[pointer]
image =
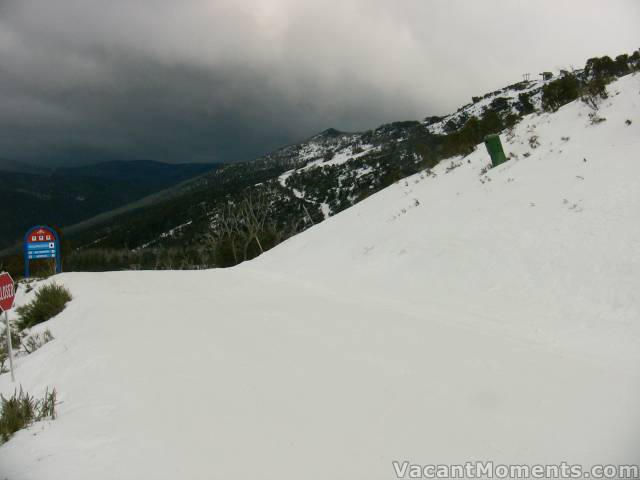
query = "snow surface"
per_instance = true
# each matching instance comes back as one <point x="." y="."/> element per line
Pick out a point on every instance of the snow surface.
<point x="454" y="316"/>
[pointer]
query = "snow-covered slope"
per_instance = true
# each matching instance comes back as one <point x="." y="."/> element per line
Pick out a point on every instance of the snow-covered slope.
<point x="459" y="315"/>
<point x="556" y="223"/>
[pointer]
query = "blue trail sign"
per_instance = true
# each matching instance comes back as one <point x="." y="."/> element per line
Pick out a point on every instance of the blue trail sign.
<point x="41" y="243"/>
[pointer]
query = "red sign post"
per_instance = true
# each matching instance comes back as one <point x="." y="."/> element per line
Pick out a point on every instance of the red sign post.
<point x="7" y="297"/>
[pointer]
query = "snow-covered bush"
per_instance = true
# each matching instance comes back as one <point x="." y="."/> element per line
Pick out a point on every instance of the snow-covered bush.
<point x="595" y="119"/>
<point x="34" y="341"/>
<point x="524" y="104"/>
<point x="534" y="141"/>
<point x="560" y="92"/>
<point x="21" y="410"/>
<point x="50" y="300"/>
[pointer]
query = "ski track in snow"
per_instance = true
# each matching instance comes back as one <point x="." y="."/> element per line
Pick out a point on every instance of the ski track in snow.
<point x="455" y="316"/>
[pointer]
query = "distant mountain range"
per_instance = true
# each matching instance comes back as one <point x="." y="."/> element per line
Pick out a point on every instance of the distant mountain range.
<point x="63" y="196"/>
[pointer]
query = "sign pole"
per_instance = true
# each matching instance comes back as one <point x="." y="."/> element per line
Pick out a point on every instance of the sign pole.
<point x="9" y="346"/>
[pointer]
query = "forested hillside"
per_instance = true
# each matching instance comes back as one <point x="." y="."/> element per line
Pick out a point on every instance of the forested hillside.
<point x="65" y="196"/>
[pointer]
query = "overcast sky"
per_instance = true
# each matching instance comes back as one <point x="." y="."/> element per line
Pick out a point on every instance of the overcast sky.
<point x="226" y="80"/>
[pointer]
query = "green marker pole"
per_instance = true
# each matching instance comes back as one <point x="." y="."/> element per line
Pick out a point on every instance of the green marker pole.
<point x="494" y="147"/>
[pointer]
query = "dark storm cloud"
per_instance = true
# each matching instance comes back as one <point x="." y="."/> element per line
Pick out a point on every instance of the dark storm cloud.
<point x="219" y="80"/>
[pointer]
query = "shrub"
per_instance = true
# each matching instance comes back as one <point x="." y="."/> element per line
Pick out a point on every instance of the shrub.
<point x="560" y="92"/>
<point x="21" y="410"/>
<point x="491" y="123"/>
<point x="595" y="119"/>
<point x="524" y="104"/>
<point x="594" y="91"/>
<point x="622" y="64"/>
<point x="601" y="67"/>
<point x="534" y="141"/>
<point x="50" y="301"/>
<point x="634" y="60"/>
<point x="450" y="126"/>
<point x="498" y="104"/>
<point x="456" y="123"/>
<point x="37" y="340"/>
